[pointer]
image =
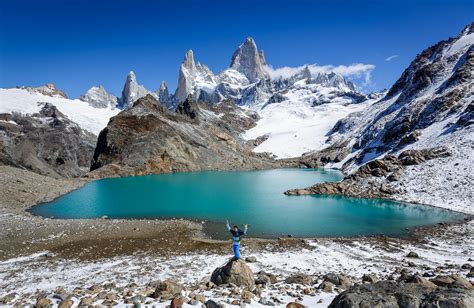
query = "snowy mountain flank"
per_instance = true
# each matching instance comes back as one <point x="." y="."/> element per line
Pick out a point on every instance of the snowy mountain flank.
<point x="416" y="143"/>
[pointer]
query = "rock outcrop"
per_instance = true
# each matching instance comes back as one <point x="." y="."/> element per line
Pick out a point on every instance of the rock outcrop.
<point x="148" y="138"/>
<point x="373" y="179"/>
<point x="411" y="292"/>
<point x="248" y="61"/>
<point x="187" y="70"/>
<point x="163" y="94"/>
<point x="47" y="143"/>
<point x="194" y="80"/>
<point x="236" y="272"/>
<point x="168" y="289"/>
<point x="48" y="89"/>
<point x="98" y="97"/>
<point x="131" y="91"/>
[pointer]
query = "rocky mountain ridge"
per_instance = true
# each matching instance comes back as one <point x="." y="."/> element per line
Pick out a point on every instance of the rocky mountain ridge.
<point x="246" y="82"/>
<point x="148" y="138"/>
<point x="98" y="97"/>
<point x="430" y="107"/>
<point x="46" y="142"/>
<point x="48" y="89"/>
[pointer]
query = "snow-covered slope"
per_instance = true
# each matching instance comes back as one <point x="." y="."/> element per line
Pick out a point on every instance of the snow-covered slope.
<point x="437" y="86"/>
<point x="431" y="106"/>
<point x="294" y="126"/>
<point x="27" y="102"/>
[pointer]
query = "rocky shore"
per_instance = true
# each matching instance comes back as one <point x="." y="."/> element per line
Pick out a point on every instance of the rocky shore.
<point x="110" y="262"/>
<point x="433" y="269"/>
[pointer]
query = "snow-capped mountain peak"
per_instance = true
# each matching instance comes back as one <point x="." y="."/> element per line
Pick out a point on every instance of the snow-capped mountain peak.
<point x="163" y="94"/>
<point x="193" y="79"/>
<point x="98" y="97"/>
<point x="249" y="61"/>
<point x="48" y="89"/>
<point x="131" y="91"/>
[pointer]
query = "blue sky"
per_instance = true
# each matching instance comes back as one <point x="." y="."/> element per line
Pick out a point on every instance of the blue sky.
<point x="78" y="44"/>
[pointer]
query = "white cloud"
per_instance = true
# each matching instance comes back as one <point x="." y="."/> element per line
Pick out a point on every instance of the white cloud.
<point x="356" y="70"/>
<point x="391" y="58"/>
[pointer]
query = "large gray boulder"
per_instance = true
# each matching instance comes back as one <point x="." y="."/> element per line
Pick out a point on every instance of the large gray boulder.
<point x="236" y="272"/>
<point x="403" y="294"/>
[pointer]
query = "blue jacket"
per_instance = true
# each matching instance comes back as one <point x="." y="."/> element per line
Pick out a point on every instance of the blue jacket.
<point x="236" y="234"/>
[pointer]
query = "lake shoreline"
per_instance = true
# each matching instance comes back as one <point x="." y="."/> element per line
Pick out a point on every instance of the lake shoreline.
<point x="85" y="229"/>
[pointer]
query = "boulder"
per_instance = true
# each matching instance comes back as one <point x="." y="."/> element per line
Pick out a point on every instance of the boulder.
<point x="247" y="295"/>
<point x="168" y="289"/>
<point x="43" y="302"/>
<point x="295" y="305"/>
<point x="412" y="254"/>
<point x="451" y="280"/>
<point x="66" y="303"/>
<point x="201" y="298"/>
<point x="264" y="278"/>
<point x="401" y="294"/>
<point x="251" y="259"/>
<point x="450" y="297"/>
<point x="369" y="278"/>
<point x="86" y="301"/>
<point x="176" y="303"/>
<point x="326" y="286"/>
<point x="471" y="272"/>
<point x="338" y="280"/>
<point x="299" y="279"/>
<point x="212" y="304"/>
<point x="421" y="281"/>
<point x="236" y="272"/>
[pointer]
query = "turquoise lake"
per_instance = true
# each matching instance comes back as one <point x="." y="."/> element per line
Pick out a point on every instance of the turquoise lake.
<point x="252" y="197"/>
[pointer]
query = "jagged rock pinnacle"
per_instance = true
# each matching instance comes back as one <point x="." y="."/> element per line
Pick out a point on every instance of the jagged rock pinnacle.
<point x="248" y="61"/>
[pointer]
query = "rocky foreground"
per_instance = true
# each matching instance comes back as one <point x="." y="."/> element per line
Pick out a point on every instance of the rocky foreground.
<point x="435" y="266"/>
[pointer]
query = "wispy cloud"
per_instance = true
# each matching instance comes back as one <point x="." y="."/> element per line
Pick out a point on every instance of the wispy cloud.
<point x="391" y="58"/>
<point x="356" y="70"/>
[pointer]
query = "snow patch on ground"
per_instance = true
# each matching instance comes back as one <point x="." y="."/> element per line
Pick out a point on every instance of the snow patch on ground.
<point x="449" y="186"/>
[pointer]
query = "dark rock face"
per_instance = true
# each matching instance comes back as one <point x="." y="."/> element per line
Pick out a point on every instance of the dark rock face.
<point x="47" y="143"/>
<point x="148" y="138"/>
<point x="362" y="183"/>
<point x="188" y="108"/>
<point x="236" y="272"/>
<point x="403" y="294"/>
